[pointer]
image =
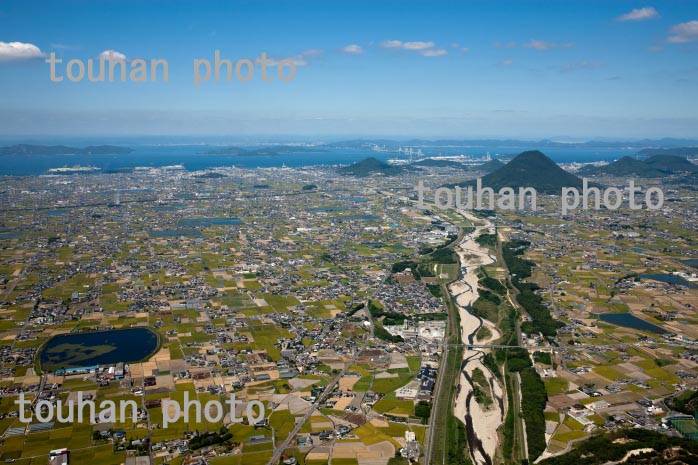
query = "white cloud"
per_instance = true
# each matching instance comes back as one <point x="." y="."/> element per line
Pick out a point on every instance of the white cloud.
<point x="462" y="49"/>
<point x="684" y="32"/>
<point x="543" y="45"/>
<point x="434" y="52"/>
<point x="392" y="44"/>
<point x="353" y="49"/>
<point x="301" y="59"/>
<point x="10" y="51"/>
<point x="582" y="65"/>
<point x="422" y="47"/>
<point x="506" y="63"/>
<point x="417" y="45"/>
<point x="639" y="14"/>
<point x="111" y="54"/>
<point x="539" y="44"/>
<point x="297" y="60"/>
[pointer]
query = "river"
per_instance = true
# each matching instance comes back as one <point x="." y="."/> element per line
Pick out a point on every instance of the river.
<point x="481" y="423"/>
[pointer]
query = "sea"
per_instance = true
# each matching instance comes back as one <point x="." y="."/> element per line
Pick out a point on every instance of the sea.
<point x="194" y="157"/>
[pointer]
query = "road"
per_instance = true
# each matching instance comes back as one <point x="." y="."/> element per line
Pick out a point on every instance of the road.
<point x="451" y="331"/>
<point x="22" y="274"/>
<point x="278" y="450"/>
<point x="321" y="398"/>
<point x="521" y="429"/>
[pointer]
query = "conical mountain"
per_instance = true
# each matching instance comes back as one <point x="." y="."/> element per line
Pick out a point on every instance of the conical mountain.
<point x="531" y="169"/>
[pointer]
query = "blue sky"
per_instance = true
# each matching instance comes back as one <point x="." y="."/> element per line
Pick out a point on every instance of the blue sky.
<point x="578" y="69"/>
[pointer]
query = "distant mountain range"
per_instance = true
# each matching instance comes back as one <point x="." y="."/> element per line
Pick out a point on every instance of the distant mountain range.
<point x="371" y="166"/>
<point x="26" y="149"/>
<point x="503" y="143"/>
<point x="678" y="151"/>
<point x="530" y="169"/>
<point x="654" y="167"/>
<point x="270" y="151"/>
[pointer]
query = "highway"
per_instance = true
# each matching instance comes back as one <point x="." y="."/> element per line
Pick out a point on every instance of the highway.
<point x="451" y="332"/>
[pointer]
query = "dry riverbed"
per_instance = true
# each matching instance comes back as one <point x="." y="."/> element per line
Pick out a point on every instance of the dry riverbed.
<point x="481" y="422"/>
